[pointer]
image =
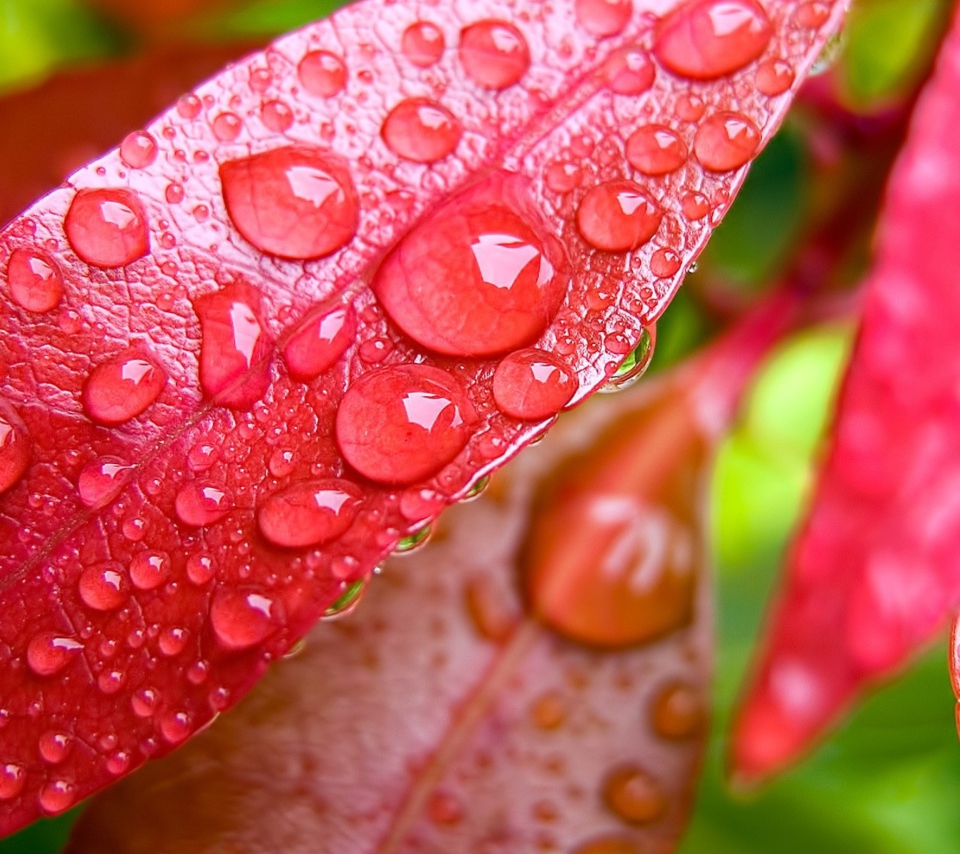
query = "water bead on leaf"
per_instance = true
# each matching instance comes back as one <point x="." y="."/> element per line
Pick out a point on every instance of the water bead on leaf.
<point x="103" y="587"/>
<point x="320" y="341"/>
<point x="309" y="513"/>
<point x="726" y="141"/>
<point x="322" y="73"/>
<point x="634" y="796"/>
<point x="123" y="387"/>
<point x="421" y="130"/>
<point x="102" y="480"/>
<point x="494" y="54"/>
<point x="199" y="504"/>
<point x="618" y="216"/>
<point x="603" y="17"/>
<point x="655" y="150"/>
<point x="241" y="618"/>
<point x="532" y="385"/>
<point x="35" y="280"/>
<point x="138" y="150"/>
<point x="630" y="71"/>
<point x="107" y="228"/>
<point x="423" y="44"/>
<point x="49" y="653"/>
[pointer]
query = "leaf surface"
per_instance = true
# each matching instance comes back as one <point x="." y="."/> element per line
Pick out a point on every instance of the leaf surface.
<point x="312" y="304"/>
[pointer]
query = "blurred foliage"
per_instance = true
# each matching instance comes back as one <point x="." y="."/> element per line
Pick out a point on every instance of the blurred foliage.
<point x="888" y="781"/>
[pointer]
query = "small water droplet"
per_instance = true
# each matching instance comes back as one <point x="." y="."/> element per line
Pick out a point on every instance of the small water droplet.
<point x="107" y="228"/>
<point x="695" y="206"/>
<point x="110" y="681"/>
<point x="774" y="76"/>
<point x="103" y="586"/>
<point x="402" y="424"/>
<point x="665" y="263"/>
<point x="655" y="150"/>
<point x="260" y="80"/>
<point x="548" y="711"/>
<point x="49" y="654"/>
<point x="618" y="217"/>
<point x="812" y="15"/>
<point x="175" y="727"/>
<point x="174" y="194"/>
<point x="678" y="712"/>
<point x="348" y="600"/>
<point x="604" y="18"/>
<point x="636" y="364"/>
<point x="295" y="202"/>
<point x="123" y="387"/>
<point x="494" y="54"/>
<point x="200" y="569"/>
<point x="56" y="797"/>
<point x="198" y="672"/>
<point x="35" y="279"/>
<point x="309" y="513"/>
<point x="138" y="149"/>
<point x="319" y="342"/>
<point x="444" y="808"/>
<point x="15" y="449"/>
<point x="148" y="570"/>
<point x="242" y="619"/>
<point x="563" y="176"/>
<point x="634" y="796"/>
<point x="200" y="504"/>
<point x="189" y="106"/>
<point x="276" y="116"/>
<point x="413" y="542"/>
<point x="532" y="385"/>
<point x="708" y="39"/>
<point x="102" y="480"/>
<point x="227" y="127"/>
<point x="726" y="141"/>
<point x="629" y="71"/>
<point x="145" y="702"/>
<point x="421" y="130"/>
<point x="829" y="55"/>
<point x="322" y="73"/>
<point x="55" y="747"/>
<point x="423" y="44"/>
<point x="12" y="780"/>
<point x="118" y="763"/>
<point x="282" y="463"/>
<point x="202" y="457"/>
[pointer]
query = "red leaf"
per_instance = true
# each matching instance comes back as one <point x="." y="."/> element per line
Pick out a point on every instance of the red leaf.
<point x="873" y="575"/>
<point x="544" y="104"/>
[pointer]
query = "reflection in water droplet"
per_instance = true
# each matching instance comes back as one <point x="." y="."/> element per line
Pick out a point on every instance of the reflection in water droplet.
<point x="242" y="619"/>
<point x="102" y="480"/>
<point x="635" y="365"/>
<point x="12" y="780"/>
<point x="421" y="130"/>
<point x="49" y="653"/>
<point x="494" y="54"/>
<point x="138" y="150"/>
<point x="629" y="71"/>
<point x="655" y="150"/>
<point x="276" y="116"/>
<point x="618" y="217"/>
<point x="103" y="586"/>
<point x="15" y="448"/>
<point x="107" y="228"/>
<point x="423" y="44"/>
<point x="200" y="504"/>
<point x="309" y="513"/>
<point x="414" y="542"/>
<point x="634" y="796"/>
<point x="603" y="18"/>
<point x="319" y="342"/>
<point x="348" y="600"/>
<point x="148" y="570"/>
<point x="123" y="387"/>
<point x="726" y="141"/>
<point x="55" y="747"/>
<point x="56" y="797"/>
<point x="774" y="76"/>
<point x="35" y="280"/>
<point x="532" y="385"/>
<point x="227" y="127"/>
<point x="322" y="73"/>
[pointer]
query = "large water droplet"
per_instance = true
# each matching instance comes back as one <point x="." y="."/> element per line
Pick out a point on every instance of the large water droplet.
<point x="107" y="228"/>
<point x="101" y="481"/>
<point x="242" y="619"/>
<point x="235" y="346"/>
<point x="35" y="279"/>
<point x="423" y="44"/>
<point x="123" y="387"/>
<point x="711" y="38"/>
<point x="634" y="796"/>
<point x="421" y="130"/>
<point x="774" y="76"/>
<point x="655" y="150"/>
<point x="103" y="586"/>
<point x="402" y="424"/>
<point x="320" y="341"/>
<point x="604" y="17"/>
<point x="494" y="53"/>
<point x="12" y="780"/>
<point x="175" y="727"/>
<point x="322" y="73"/>
<point x="49" y="653"/>
<point x="726" y="141"/>
<point x="309" y="513"/>
<point x="532" y="385"/>
<point x="296" y="202"/>
<point x="14" y="447"/>
<point x="618" y="217"/>
<point x="138" y="149"/>
<point x="629" y="71"/>
<point x="148" y="570"/>
<point x="479" y="276"/>
<point x="199" y="505"/>
<point x="56" y="797"/>
<point x="678" y="712"/>
<point x="55" y="746"/>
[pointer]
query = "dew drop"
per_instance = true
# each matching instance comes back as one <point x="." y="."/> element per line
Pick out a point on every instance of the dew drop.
<point x="277" y="116"/>
<point x="629" y="71"/>
<point x="708" y="39"/>
<point x="242" y="619"/>
<point x="110" y="681"/>
<point x="421" y="130"/>
<point x="148" y="570"/>
<point x="774" y="76"/>
<point x="144" y="703"/>
<point x="55" y="747"/>
<point x="494" y="54"/>
<point x="118" y="763"/>
<point x="123" y="387"/>
<point x="402" y="424"/>
<point x="227" y="127"/>
<point x="56" y="797"/>
<point x="413" y="542"/>
<point x="319" y="342"/>
<point x="174" y="194"/>
<point x="35" y="279"/>
<point x="200" y="569"/>
<point x="655" y="150"/>
<point x="189" y="106"/>
<point x="12" y="780"/>
<point x="138" y="150"/>
<point x="813" y="15"/>
<point x="604" y="18"/>
<point x="695" y="206"/>
<point x="636" y="363"/>
<point x="347" y="601"/>
<point x="296" y="202"/>
<point x="423" y="44"/>
<point x="175" y="727"/>
<point x="309" y="513"/>
<point x="726" y="141"/>
<point x="634" y="796"/>
<point x="103" y="587"/>
<point x="282" y="463"/>
<point x="322" y="73"/>
<point x="665" y="263"/>
<point x="102" y="481"/>
<point x="199" y="505"/>
<point x="532" y="385"/>
<point x="562" y="177"/>
<point x="49" y="654"/>
<point x="235" y="346"/>
<point x="478" y="277"/>
<point x="15" y="447"/>
<point x="618" y="217"/>
<point x="107" y="228"/>
<point x="678" y="712"/>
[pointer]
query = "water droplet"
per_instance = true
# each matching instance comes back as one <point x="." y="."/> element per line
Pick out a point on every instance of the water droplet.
<point x="695" y="206"/>
<point x="103" y="586"/>
<point x="478" y="489"/>
<point x="678" y="712"/>
<point x="123" y="387"/>
<point x="56" y="797"/>
<point x="110" y="681"/>
<point x="242" y="619"/>
<point x="199" y="505"/>
<point x="629" y="71"/>
<point x="532" y="385"/>
<point x="423" y="44"/>
<point x="444" y="808"/>
<point x="48" y="654"/>
<point x="174" y="194"/>
<point x="618" y="217"/>
<point x="102" y="481"/>
<point x="548" y="711"/>
<point x="665" y="263"/>
<point x="12" y="780"/>
<point x="421" y="130"/>
<point x="348" y="600"/>
<point x="200" y="569"/>
<point x="55" y="747"/>
<point x="655" y="150"/>
<point x="235" y="346"/>
<point x="479" y="276"/>
<point x="322" y="73"/>
<point x="320" y="341"/>
<point x="14" y="447"/>
<point x="603" y="18"/>
<point x="562" y="176"/>
<point x="277" y="116"/>
<point x="227" y="127"/>
<point x="636" y="364"/>
<point x="813" y="15"/>
<point x="413" y="542"/>
<point x="118" y="763"/>
<point x="35" y="279"/>
<point x="138" y="149"/>
<point x="175" y="727"/>
<point x="295" y="202"/>
<point x="148" y="570"/>
<point x="189" y="106"/>
<point x="494" y="54"/>
<point x="726" y="141"/>
<point x="309" y="513"/>
<point x="144" y="703"/>
<point x="712" y="38"/>
<point x="107" y="228"/>
<point x="402" y="424"/>
<point x="260" y="80"/>
<point x="774" y="76"/>
<point x="198" y="672"/>
<point x="634" y="796"/>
